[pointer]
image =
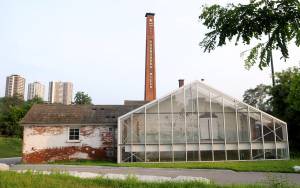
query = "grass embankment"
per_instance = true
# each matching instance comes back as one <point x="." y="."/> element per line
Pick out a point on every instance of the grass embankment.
<point x="246" y="166"/>
<point x="29" y="180"/>
<point x="10" y="147"/>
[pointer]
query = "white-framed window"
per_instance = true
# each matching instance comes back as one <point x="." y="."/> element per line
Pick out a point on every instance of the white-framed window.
<point x="74" y="134"/>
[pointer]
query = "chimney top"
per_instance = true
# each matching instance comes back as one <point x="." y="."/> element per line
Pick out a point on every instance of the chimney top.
<point x="149" y="14"/>
<point x="181" y="82"/>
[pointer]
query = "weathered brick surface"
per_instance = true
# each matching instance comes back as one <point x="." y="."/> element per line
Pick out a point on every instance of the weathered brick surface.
<point x="68" y="153"/>
<point x="50" y="143"/>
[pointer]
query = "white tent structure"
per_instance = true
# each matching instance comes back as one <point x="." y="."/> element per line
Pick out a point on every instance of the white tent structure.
<point x="199" y="123"/>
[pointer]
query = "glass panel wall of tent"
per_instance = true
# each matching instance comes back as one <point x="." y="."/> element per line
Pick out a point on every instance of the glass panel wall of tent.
<point x="198" y="123"/>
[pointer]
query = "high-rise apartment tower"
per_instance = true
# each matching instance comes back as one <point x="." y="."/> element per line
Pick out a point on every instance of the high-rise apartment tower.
<point x="35" y="89"/>
<point x="15" y="86"/>
<point x="150" y="73"/>
<point x="60" y="92"/>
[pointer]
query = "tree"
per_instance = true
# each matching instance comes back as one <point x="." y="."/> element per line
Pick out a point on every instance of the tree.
<point x="82" y="98"/>
<point x="294" y="95"/>
<point x="9" y="115"/>
<point x="12" y="110"/>
<point x="28" y="104"/>
<point x="259" y="97"/>
<point x="284" y="102"/>
<point x="7" y="102"/>
<point x="276" y="20"/>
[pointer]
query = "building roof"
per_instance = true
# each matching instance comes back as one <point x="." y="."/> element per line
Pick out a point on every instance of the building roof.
<point x="135" y="102"/>
<point x="75" y="114"/>
<point x="188" y="93"/>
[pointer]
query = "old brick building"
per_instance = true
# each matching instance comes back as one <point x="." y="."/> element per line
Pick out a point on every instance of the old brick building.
<point x="62" y="132"/>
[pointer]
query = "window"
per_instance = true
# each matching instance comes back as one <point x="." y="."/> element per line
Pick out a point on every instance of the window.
<point x="74" y="134"/>
<point x="110" y="153"/>
<point x="110" y="129"/>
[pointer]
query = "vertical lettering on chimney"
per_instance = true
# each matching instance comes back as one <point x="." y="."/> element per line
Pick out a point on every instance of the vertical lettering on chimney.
<point x="150" y="72"/>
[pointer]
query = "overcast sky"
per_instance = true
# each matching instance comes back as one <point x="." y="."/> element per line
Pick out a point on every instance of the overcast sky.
<point x="100" y="47"/>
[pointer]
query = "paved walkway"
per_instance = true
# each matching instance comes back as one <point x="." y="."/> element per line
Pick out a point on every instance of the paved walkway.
<point x="11" y="160"/>
<point x="217" y="176"/>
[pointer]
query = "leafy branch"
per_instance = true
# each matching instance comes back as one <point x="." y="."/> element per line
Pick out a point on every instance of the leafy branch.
<point x="278" y="19"/>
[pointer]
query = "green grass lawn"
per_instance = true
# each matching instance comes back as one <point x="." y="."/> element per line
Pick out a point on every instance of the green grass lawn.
<point x="256" y="166"/>
<point x="29" y="180"/>
<point x="10" y="147"/>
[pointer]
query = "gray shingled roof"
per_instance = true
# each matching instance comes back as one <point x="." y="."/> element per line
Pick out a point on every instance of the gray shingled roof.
<point x="75" y="114"/>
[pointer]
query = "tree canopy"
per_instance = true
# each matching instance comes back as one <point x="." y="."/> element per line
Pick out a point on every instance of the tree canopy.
<point x="82" y="98"/>
<point x="259" y="97"/>
<point x="283" y="101"/>
<point x="12" y="110"/>
<point x="278" y="19"/>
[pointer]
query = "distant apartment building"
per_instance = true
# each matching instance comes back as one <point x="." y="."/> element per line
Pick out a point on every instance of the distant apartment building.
<point x="60" y="92"/>
<point x="15" y="86"/>
<point x="35" y="89"/>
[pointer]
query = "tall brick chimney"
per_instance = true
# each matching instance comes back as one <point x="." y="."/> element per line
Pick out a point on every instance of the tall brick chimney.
<point x="150" y="73"/>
